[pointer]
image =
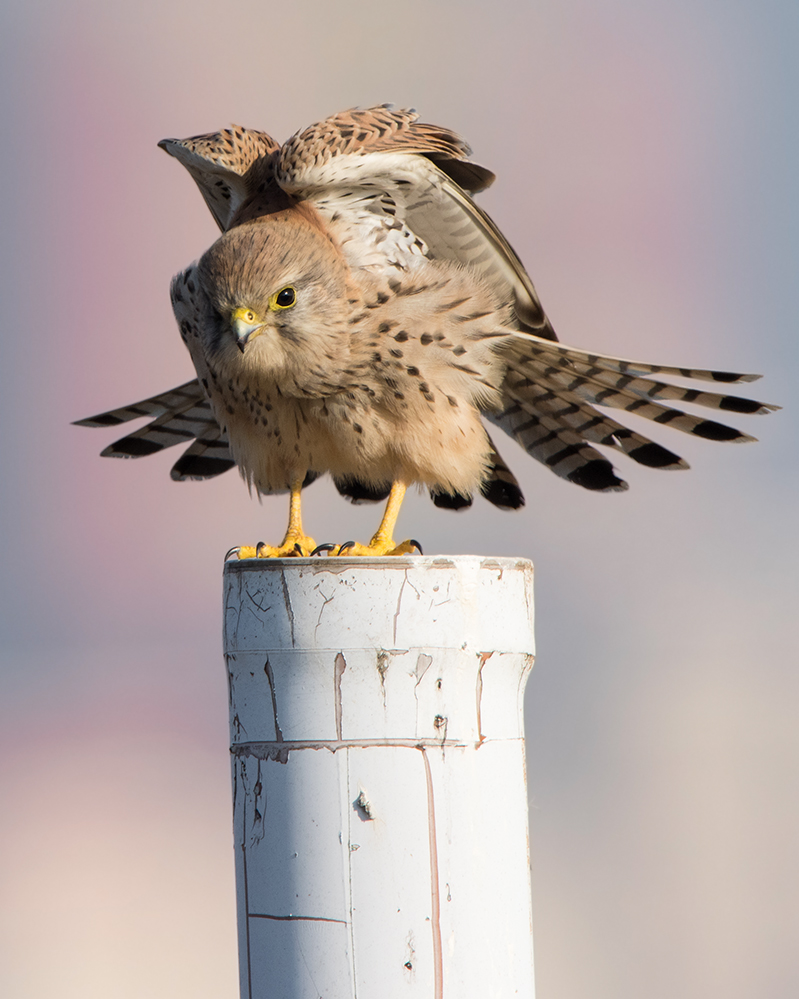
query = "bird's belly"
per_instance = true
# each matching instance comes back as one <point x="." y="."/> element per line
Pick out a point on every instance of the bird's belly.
<point x="356" y="436"/>
<point x="438" y="446"/>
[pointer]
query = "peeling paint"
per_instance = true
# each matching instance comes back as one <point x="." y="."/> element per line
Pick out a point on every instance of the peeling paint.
<point x="410" y="951"/>
<point x="492" y="564"/>
<point x="236" y="726"/>
<point x="322" y="841"/>
<point x="363" y="807"/>
<point x="281" y="757"/>
<point x="339" y="666"/>
<point x="423" y="664"/>
<point x="257" y="830"/>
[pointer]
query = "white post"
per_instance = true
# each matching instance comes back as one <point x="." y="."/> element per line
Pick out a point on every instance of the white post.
<point x="379" y="794"/>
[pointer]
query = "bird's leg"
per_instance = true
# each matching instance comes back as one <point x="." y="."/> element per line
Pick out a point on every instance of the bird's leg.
<point x="296" y="542"/>
<point x="383" y="541"/>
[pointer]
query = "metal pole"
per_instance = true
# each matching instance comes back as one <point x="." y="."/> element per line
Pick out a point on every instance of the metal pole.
<point x="380" y="806"/>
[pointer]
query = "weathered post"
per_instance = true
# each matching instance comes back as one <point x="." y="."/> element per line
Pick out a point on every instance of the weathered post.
<point x="379" y="793"/>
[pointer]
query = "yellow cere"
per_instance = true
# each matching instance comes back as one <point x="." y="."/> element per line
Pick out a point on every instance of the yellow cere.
<point x="246" y="316"/>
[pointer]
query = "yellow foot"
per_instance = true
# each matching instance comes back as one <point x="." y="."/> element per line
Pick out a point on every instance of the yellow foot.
<point x="379" y="545"/>
<point x="294" y="546"/>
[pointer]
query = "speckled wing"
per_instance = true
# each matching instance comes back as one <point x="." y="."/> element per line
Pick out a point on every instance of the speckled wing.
<point x="227" y="166"/>
<point x="391" y="187"/>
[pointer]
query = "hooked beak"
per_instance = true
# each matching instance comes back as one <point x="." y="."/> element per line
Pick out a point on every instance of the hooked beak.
<point x="244" y="330"/>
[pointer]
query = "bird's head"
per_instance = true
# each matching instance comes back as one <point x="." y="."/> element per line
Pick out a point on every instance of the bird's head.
<point x="276" y="290"/>
<point x="246" y="323"/>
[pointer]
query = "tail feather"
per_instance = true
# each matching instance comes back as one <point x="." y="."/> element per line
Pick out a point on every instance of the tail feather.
<point x="500" y="487"/>
<point x="207" y="457"/>
<point x="172" y="427"/>
<point x="182" y="414"/>
<point x="358" y="492"/>
<point x="175" y="400"/>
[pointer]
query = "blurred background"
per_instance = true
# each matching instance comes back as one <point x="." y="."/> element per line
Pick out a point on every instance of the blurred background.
<point x="647" y="155"/>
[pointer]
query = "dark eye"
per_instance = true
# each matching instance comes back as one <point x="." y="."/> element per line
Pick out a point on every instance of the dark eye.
<point x="285" y="298"/>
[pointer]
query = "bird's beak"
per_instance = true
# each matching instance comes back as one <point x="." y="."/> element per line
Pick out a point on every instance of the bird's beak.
<point x="244" y="330"/>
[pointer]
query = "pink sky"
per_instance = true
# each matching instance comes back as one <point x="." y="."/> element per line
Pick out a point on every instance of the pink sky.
<point x="643" y="156"/>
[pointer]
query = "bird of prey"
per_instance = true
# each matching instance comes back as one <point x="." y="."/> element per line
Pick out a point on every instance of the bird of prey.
<point x="360" y="316"/>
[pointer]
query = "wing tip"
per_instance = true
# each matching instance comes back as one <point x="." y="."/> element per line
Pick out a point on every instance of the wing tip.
<point x="598" y="475"/>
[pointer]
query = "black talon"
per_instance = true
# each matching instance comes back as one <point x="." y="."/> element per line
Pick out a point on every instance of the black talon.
<point x="415" y="545"/>
<point x="298" y="550"/>
<point x="328" y="547"/>
<point x="235" y="550"/>
<point x="347" y="544"/>
<point x="258" y="548"/>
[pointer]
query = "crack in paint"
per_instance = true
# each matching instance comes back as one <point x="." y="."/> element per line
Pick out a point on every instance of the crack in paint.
<point x="263" y="609"/>
<point x="405" y="582"/>
<point x="321" y="611"/>
<point x="246" y="888"/>
<point x="289" y="608"/>
<point x="484" y="656"/>
<point x="274" y="750"/>
<point x="353" y="970"/>
<point x="399" y="602"/>
<point x="292" y="918"/>
<point x="524" y="676"/>
<point x="435" y="900"/>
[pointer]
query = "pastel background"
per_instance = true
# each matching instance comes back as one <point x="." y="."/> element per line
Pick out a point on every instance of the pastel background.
<point x="647" y="155"/>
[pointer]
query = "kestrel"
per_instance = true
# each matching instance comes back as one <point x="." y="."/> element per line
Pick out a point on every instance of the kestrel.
<point x="361" y="316"/>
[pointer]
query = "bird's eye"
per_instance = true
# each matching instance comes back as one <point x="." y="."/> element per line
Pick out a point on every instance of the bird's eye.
<point x="285" y="298"/>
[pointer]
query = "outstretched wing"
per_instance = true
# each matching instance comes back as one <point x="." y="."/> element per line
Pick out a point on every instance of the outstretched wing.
<point x="390" y="187"/>
<point x="182" y="414"/>
<point x="551" y="392"/>
<point x="228" y="167"/>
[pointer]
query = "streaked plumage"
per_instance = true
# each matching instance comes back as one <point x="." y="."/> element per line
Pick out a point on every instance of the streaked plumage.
<point x="359" y="315"/>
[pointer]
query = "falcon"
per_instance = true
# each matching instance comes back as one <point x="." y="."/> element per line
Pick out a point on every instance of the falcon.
<point x="361" y="316"/>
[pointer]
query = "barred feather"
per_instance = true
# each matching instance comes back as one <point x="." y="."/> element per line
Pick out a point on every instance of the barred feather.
<point x="593" y="426"/>
<point x="562" y="353"/>
<point x="175" y="400"/>
<point x="182" y="414"/>
<point x="207" y="457"/>
<point x="382" y="199"/>
<point x="548" y="440"/>
<point x="500" y="487"/>
<point x="551" y="390"/>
